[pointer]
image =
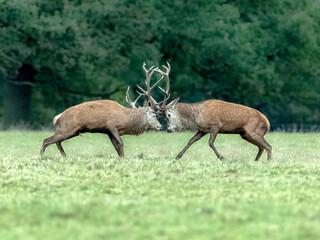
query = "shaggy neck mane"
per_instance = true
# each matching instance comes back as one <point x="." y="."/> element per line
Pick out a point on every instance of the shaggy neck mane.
<point x="136" y="121"/>
<point x="189" y="114"/>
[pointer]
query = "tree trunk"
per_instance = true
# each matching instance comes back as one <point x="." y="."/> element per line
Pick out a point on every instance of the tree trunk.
<point x="17" y="98"/>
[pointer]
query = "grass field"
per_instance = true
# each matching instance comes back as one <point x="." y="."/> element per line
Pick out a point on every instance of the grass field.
<point x="93" y="194"/>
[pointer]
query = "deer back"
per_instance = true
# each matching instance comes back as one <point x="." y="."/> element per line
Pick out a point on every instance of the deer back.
<point x="96" y="116"/>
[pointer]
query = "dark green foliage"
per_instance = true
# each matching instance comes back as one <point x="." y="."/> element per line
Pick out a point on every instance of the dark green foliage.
<point x="264" y="54"/>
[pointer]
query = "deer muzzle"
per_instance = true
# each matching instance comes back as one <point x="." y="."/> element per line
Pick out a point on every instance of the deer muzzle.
<point x="159" y="127"/>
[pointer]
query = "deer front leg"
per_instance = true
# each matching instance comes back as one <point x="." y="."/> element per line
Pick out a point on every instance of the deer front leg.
<point x="116" y="141"/>
<point x="195" y="138"/>
<point x="213" y="134"/>
<point x="115" y="144"/>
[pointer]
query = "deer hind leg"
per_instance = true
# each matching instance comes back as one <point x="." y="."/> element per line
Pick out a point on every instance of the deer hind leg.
<point x="260" y="142"/>
<point x="61" y="149"/>
<point x="213" y="134"/>
<point x="195" y="138"/>
<point x="267" y="147"/>
<point x="116" y="141"/>
<point x="56" y="138"/>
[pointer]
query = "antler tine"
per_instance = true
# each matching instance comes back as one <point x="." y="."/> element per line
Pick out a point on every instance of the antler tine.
<point x="165" y="99"/>
<point x="151" y="100"/>
<point x="168" y="68"/>
<point x="140" y="93"/>
<point x="166" y="76"/>
<point x="154" y="85"/>
<point x="132" y="104"/>
<point x="144" y="92"/>
<point x="149" y="72"/>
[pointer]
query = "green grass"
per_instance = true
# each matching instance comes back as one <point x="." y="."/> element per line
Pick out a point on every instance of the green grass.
<point x="93" y="194"/>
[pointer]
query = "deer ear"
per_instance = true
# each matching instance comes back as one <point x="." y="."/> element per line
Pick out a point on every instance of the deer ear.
<point x="172" y="104"/>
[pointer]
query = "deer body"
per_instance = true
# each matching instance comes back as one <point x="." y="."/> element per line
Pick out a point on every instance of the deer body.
<point x="215" y="116"/>
<point x="230" y="117"/>
<point x="108" y="117"/>
<point x="103" y="116"/>
<point x="100" y="116"/>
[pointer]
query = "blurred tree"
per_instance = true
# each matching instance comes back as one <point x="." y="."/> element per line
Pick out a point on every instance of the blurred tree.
<point x="16" y="20"/>
<point x="288" y="43"/>
<point x="61" y="52"/>
<point x="259" y="53"/>
<point x="78" y="50"/>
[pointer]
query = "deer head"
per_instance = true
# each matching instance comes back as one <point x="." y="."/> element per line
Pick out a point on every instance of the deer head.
<point x="172" y="116"/>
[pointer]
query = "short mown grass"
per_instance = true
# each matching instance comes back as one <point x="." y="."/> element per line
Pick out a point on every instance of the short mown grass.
<point x="93" y="194"/>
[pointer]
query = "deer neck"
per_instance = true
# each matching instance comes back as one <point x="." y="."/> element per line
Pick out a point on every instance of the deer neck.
<point x="136" y="121"/>
<point x="189" y="115"/>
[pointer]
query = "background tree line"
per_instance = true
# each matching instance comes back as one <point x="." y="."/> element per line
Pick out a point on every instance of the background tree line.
<point x="262" y="53"/>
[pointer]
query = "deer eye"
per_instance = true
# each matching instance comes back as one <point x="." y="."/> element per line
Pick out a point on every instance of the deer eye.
<point x="169" y="115"/>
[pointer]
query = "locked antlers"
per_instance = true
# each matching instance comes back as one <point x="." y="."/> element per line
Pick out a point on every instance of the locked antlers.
<point x="149" y="72"/>
<point x="142" y="92"/>
<point x="152" y="102"/>
<point x="165" y="75"/>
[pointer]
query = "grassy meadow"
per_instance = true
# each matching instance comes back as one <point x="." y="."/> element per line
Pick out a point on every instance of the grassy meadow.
<point x="93" y="194"/>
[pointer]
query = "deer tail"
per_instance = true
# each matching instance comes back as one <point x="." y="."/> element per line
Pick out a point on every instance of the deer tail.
<point x="55" y="119"/>
<point x="266" y="122"/>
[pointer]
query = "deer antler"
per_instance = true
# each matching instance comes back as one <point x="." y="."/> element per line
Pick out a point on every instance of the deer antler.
<point x="149" y="72"/>
<point x="132" y="104"/>
<point x="166" y="76"/>
<point x="142" y="92"/>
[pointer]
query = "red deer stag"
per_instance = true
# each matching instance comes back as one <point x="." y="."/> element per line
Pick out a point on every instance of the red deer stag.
<point x="215" y="116"/>
<point x="108" y="117"/>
